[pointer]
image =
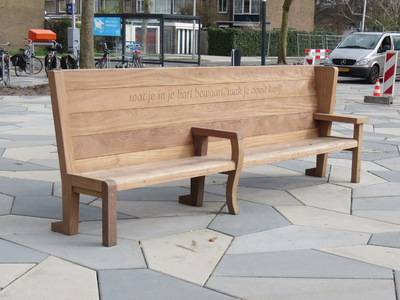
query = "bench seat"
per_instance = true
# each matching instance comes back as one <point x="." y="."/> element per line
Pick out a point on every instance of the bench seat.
<point x="136" y="176"/>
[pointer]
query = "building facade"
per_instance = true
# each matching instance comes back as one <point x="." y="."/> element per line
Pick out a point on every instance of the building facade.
<point x="15" y="22"/>
<point x="227" y="13"/>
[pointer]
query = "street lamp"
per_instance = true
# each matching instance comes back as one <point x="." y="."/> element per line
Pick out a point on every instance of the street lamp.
<point x="363" y="18"/>
<point x="263" y="32"/>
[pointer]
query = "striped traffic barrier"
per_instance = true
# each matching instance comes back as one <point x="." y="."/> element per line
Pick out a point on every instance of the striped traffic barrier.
<point x="318" y="53"/>
<point x="389" y="73"/>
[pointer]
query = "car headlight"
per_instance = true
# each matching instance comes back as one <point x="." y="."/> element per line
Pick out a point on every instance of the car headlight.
<point x="328" y="61"/>
<point x="363" y="62"/>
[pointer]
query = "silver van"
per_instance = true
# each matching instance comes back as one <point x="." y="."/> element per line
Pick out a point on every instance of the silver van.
<point x="362" y="54"/>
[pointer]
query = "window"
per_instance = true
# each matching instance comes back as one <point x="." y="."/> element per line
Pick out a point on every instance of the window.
<point x="247" y="7"/>
<point x="222" y="6"/>
<point x="96" y="6"/>
<point x="127" y="6"/>
<point x="61" y="6"/>
<point x="161" y="6"/>
<point x="140" y="6"/>
<point x="396" y="42"/>
<point x="181" y="6"/>
<point x="50" y="7"/>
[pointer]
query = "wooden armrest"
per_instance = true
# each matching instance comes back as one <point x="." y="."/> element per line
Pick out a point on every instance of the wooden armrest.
<point x="226" y="134"/>
<point x="236" y="137"/>
<point x="341" y="118"/>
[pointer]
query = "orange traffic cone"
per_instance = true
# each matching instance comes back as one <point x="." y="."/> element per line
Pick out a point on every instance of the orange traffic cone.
<point x="377" y="91"/>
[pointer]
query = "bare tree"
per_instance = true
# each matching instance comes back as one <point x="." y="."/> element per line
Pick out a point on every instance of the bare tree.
<point x="86" y="60"/>
<point x="284" y="32"/>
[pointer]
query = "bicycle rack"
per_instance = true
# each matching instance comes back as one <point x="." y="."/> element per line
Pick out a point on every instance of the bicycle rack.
<point x="32" y="51"/>
<point x="2" y="68"/>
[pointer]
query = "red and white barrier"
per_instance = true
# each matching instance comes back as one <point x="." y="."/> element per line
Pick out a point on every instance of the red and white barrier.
<point x="390" y="73"/>
<point x="318" y="53"/>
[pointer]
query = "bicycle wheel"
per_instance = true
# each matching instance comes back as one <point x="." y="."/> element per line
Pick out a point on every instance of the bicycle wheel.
<point x="70" y="63"/>
<point x="37" y="66"/>
<point x="47" y="64"/>
<point x="130" y="63"/>
<point x="18" y="71"/>
<point x="101" y="64"/>
<point x="140" y="63"/>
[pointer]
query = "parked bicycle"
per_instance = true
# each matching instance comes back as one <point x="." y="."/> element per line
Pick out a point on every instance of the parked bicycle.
<point x="136" y="60"/>
<point x="51" y="61"/>
<point x="70" y="61"/>
<point x="104" y="62"/>
<point x="21" y="61"/>
<point x="4" y="65"/>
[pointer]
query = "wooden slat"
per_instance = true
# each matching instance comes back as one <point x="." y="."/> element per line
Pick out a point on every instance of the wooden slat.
<point x="341" y="118"/>
<point x="141" y="157"/>
<point x="61" y="123"/>
<point x="105" y="99"/>
<point x="165" y="171"/>
<point x="117" y="78"/>
<point x="295" y="149"/>
<point x="151" y="139"/>
<point x="326" y="79"/>
<point x="126" y="120"/>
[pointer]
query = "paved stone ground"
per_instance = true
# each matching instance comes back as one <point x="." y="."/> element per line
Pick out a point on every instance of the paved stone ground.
<point x="296" y="237"/>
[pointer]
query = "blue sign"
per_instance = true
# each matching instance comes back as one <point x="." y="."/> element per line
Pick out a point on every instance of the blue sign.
<point x="69" y="9"/>
<point x="106" y="26"/>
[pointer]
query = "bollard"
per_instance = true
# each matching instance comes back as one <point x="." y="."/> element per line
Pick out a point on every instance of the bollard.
<point x="236" y="57"/>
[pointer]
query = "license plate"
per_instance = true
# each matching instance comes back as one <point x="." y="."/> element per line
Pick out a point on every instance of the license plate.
<point x="343" y="69"/>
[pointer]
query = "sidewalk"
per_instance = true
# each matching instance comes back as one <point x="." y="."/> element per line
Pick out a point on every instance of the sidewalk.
<point x="296" y="237"/>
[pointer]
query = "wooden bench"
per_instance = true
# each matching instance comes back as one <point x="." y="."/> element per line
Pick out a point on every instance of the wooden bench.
<point x="123" y="129"/>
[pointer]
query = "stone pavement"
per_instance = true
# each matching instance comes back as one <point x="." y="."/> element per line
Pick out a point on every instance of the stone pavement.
<point x="296" y="237"/>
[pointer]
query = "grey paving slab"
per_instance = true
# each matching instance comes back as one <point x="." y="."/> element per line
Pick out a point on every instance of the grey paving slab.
<point x="54" y="278"/>
<point x="393" y="176"/>
<point x="50" y="163"/>
<point x="397" y="283"/>
<point x="252" y="218"/>
<point x="149" y="285"/>
<point x="51" y="207"/>
<point x="303" y="289"/>
<point x="295" y="238"/>
<point x="298" y="263"/>
<point x="84" y="250"/>
<point x="391" y="164"/>
<point x="13" y="187"/>
<point x="26" y="138"/>
<point x="386" y="239"/>
<point x="282" y="183"/>
<point x="5" y="204"/>
<point x="140" y="229"/>
<point x="295" y="165"/>
<point x="377" y="203"/>
<point x="161" y="194"/>
<point x="377" y="190"/>
<point x="8" y="164"/>
<point x="13" y="253"/>
<point x="262" y="196"/>
<point x="379" y="215"/>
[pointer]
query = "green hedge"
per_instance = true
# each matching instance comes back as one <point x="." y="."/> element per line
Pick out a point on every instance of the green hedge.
<point x="222" y="41"/>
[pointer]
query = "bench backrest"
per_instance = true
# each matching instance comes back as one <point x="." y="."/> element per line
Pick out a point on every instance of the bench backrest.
<point x="112" y="118"/>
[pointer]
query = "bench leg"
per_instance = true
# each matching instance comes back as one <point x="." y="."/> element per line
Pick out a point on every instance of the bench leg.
<point x="320" y="169"/>
<point x="356" y="163"/>
<point x="195" y="198"/>
<point x="70" y="211"/>
<point x="231" y="192"/>
<point x="109" y="209"/>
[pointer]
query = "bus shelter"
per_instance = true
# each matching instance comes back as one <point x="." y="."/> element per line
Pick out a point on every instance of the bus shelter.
<point x="162" y="37"/>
